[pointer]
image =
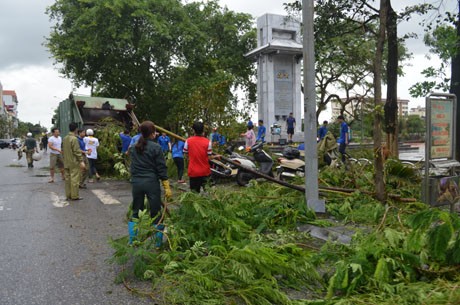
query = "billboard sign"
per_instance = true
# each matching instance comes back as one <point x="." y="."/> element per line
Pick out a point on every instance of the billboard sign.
<point x="441" y="128"/>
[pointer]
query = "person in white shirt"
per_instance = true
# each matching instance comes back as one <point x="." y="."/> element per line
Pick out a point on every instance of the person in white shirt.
<point x="55" y="146"/>
<point x="92" y="144"/>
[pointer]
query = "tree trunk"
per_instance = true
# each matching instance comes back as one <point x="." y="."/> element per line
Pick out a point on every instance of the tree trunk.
<point x="455" y="80"/>
<point x="378" y="158"/>
<point x="391" y="104"/>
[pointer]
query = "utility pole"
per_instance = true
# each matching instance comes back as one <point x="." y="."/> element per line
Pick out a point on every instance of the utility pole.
<point x="311" y="155"/>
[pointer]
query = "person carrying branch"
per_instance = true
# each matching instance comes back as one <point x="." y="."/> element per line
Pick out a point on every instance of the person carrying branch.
<point x="148" y="168"/>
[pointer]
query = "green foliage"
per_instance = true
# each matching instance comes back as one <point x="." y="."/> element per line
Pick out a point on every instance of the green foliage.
<point x="241" y="246"/>
<point x="396" y="258"/>
<point x="25" y="127"/>
<point x="4" y="127"/>
<point x="122" y="165"/>
<point x="437" y="231"/>
<point x="217" y="253"/>
<point x="177" y="61"/>
<point x="109" y="159"/>
<point x="443" y="42"/>
<point x="412" y="127"/>
<point x="357" y="208"/>
<point x="402" y="179"/>
<point x="345" y="45"/>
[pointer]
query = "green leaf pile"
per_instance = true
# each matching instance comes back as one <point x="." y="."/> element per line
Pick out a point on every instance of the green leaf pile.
<point x="244" y="246"/>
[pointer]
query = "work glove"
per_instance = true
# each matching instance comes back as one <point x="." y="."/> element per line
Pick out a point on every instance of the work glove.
<point x="167" y="188"/>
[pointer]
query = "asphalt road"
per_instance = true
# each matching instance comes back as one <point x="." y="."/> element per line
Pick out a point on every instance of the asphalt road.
<point x="53" y="252"/>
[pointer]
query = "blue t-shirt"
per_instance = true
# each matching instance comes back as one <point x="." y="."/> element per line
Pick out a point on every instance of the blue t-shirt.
<point x="125" y="141"/>
<point x="82" y="143"/>
<point x="261" y="133"/>
<point x="177" y="149"/>
<point x="343" y="133"/>
<point x="163" y="141"/>
<point x="322" y="132"/>
<point x="135" y="139"/>
<point x="215" y="137"/>
<point x="250" y="123"/>
<point x="290" y="122"/>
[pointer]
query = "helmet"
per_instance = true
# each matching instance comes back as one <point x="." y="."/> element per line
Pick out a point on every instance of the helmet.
<point x="89" y="132"/>
<point x="291" y="152"/>
<point x="36" y="156"/>
<point x="29" y="134"/>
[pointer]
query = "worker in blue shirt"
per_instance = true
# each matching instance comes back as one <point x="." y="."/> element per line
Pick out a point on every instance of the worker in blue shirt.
<point x="165" y="143"/>
<point x="343" y="139"/>
<point x="125" y="141"/>
<point x="84" y="152"/>
<point x="290" y="122"/>
<point x="261" y="132"/>
<point x="215" y="137"/>
<point x="177" y="152"/>
<point x="322" y="131"/>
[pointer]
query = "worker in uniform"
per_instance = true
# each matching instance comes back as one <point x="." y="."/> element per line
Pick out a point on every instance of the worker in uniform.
<point x="73" y="163"/>
<point x="31" y="147"/>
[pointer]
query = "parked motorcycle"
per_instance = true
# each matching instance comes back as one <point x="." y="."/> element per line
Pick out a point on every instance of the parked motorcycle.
<point x="221" y="169"/>
<point x="290" y="164"/>
<point x="261" y="162"/>
<point x="14" y="144"/>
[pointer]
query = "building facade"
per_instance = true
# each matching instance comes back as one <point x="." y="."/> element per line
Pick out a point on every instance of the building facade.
<point x="9" y="112"/>
<point x="418" y="111"/>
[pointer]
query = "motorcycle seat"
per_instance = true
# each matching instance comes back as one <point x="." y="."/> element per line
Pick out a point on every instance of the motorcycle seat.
<point x="294" y="163"/>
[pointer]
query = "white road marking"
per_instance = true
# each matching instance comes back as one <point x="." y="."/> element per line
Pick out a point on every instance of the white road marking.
<point x="57" y="202"/>
<point x="104" y="197"/>
<point x="1" y="207"/>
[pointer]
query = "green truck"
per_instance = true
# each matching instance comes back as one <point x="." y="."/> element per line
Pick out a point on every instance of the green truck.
<point x="90" y="112"/>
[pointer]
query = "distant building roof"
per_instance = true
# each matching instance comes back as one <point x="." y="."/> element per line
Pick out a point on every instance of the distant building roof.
<point x="9" y="92"/>
<point x="281" y="46"/>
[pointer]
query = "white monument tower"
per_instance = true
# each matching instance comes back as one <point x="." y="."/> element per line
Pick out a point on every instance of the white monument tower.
<point x="278" y="55"/>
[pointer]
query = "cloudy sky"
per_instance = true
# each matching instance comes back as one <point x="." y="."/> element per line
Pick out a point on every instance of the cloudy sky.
<point x="26" y="66"/>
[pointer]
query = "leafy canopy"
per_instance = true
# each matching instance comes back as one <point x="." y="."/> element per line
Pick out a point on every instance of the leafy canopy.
<point x="170" y="58"/>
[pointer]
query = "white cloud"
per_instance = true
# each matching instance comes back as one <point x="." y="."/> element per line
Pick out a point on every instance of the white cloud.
<point x="39" y="90"/>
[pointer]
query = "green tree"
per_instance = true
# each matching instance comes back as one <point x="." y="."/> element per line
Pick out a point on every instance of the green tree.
<point x="443" y="43"/>
<point x="3" y="126"/>
<point x="344" y="49"/>
<point x="164" y="55"/>
<point x="443" y="38"/>
<point x="413" y="127"/>
<point x="25" y="127"/>
<point x="374" y="59"/>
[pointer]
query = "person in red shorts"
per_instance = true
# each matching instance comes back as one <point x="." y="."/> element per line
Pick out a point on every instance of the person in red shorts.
<point x="199" y="150"/>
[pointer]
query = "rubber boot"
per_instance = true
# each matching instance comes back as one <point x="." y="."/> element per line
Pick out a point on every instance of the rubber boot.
<point x="159" y="235"/>
<point x="132" y="232"/>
